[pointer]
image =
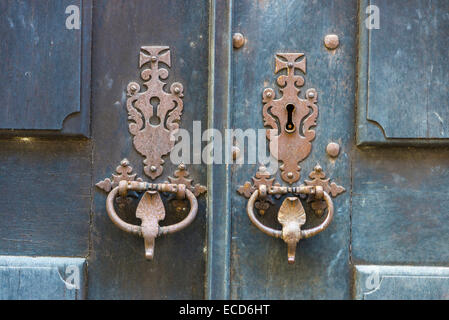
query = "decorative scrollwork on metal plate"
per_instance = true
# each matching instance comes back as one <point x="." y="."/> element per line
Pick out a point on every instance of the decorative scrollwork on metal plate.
<point x="262" y="177"/>
<point x="181" y="177"/>
<point x="319" y="179"/>
<point x="290" y="120"/>
<point x="154" y="114"/>
<point x="290" y="117"/>
<point x="124" y="172"/>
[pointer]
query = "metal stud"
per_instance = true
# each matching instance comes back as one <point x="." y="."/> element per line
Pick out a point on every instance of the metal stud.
<point x="331" y="41"/>
<point x="333" y="149"/>
<point x="238" y="40"/>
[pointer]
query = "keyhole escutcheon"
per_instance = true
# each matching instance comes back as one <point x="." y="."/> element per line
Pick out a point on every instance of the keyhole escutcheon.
<point x="290" y="126"/>
<point x="154" y="119"/>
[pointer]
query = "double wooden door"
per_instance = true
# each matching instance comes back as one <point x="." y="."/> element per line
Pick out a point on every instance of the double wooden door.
<point x="381" y="95"/>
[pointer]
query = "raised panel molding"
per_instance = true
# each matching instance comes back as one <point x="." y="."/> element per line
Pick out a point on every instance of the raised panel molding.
<point x="42" y="278"/>
<point x="402" y="83"/>
<point x="401" y="283"/>
<point x="45" y="69"/>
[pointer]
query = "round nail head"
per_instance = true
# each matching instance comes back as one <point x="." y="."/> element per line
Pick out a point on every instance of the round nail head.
<point x="235" y="152"/>
<point x="331" y="41"/>
<point x="238" y="40"/>
<point x="153" y="168"/>
<point x="333" y="149"/>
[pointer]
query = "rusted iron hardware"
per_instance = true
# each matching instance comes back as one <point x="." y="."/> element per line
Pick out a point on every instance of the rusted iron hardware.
<point x="291" y="215"/>
<point x="154" y="114"/>
<point x="331" y="41"/>
<point x="150" y="210"/>
<point x="238" y="40"/>
<point x="333" y="149"/>
<point x="290" y="120"/>
<point x="289" y="117"/>
<point x="319" y="179"/>
<point x="154" y="119"/>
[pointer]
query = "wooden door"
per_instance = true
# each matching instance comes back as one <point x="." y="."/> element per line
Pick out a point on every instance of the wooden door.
<point x="65" y="128"/>
<point x="381" y="96"/>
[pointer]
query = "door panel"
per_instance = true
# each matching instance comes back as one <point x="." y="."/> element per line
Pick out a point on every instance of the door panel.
<point x="401" y="283"/>
<point x="45" y="181"/>
<point x="259" y="268"/>
<point x="45" y="70"/>
<point x="32" y="278"/>
<point x="400" y="206"/>
<point x="45" y="201"/>
<point x="403" y="68"/>
<point x="399" y="203"/>
<point x="117" y="264"/>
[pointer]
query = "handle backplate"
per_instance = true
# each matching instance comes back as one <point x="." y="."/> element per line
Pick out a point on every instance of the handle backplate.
<point x="154" y="115"/>
<point x="290" y="122"/>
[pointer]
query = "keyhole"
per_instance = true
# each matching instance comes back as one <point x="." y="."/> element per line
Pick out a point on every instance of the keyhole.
<point x="154" y="120"/>
<point x="290" y="126"/>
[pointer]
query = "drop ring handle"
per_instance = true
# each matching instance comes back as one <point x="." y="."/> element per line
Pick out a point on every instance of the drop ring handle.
<point x="278" y="233"/>
<point x="181" y="192"/>
<point x="298" y="233"/>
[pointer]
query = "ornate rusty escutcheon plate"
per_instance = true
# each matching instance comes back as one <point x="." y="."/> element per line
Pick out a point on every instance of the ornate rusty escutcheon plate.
<point x="154" y="116"/>
<point x="291" y="135"/>
<point x="290" y="121"/>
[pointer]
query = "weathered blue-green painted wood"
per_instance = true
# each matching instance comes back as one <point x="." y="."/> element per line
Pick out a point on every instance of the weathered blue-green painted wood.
<point x="400" y="206"/>
<point x="403" y="72"/>
<point x="45" y="68"/>
<point x="219" y="187"/>
<point x="401" y="283"/>
<point x="50" y="206"/>
<point x="46" y="196"/>
<point x="399" y="203"/>
<point x="42" y="278"/>
<point x="117" y="266"/>
<point x="259" y="262"/>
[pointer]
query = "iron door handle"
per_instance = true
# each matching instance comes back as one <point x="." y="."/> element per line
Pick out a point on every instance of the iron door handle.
<point x="290" y="121"/>
<point x="153" y="128"/>
<point x="151" y="210"/>
<point x="291" y="215"/>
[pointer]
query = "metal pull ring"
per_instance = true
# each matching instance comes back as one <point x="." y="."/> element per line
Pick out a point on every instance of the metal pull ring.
<point x="292" y="216"/>
<point x="151" y="210"/>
